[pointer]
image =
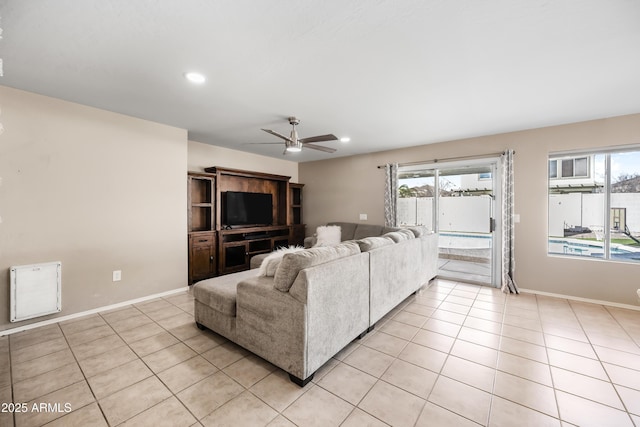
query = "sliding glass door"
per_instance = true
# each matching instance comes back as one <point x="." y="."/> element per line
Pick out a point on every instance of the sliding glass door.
<point x="458" y="200"/>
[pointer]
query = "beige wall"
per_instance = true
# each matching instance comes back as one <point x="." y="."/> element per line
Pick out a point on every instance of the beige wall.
<point x="340" y="189"/>
<point x="204" y="155"/>
<point x="96" y="190"/>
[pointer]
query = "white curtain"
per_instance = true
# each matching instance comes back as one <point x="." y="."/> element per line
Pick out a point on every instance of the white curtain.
<point x="391" y="195"/>
<point x="508" y="259"/>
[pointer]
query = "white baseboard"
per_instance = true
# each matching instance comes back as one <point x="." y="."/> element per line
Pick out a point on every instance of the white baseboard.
<point x="92" y="311"/>
<point x="592" y="301"/>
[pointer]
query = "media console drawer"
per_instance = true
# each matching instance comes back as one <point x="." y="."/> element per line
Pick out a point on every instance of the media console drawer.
<point x="203" y="239"/>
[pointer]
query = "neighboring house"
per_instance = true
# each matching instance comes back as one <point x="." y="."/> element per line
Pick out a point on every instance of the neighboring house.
<point x="476" y="184"/>
<point x="574" y="175"/>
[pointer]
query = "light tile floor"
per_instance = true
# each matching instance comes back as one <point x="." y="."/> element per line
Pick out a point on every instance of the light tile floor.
<point x="452" y="355"/>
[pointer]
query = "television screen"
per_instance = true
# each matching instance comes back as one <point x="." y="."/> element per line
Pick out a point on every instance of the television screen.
<point x="240" y="208"/>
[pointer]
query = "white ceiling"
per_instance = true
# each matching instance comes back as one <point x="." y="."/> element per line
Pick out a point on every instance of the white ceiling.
<point x="388" y="74"/>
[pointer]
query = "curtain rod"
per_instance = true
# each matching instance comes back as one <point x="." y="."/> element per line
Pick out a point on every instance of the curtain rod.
<point x="480" y="156"/>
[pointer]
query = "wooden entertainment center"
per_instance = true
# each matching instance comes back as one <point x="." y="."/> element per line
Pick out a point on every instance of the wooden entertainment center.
<point x="215" y="249"/>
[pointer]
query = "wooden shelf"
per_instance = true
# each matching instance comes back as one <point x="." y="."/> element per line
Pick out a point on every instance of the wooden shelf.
<point x="201" y="227"/>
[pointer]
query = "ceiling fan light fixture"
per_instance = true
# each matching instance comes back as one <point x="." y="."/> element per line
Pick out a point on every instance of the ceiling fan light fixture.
<point x="194" y="77"/>
<point x="293" y="144"/>
<point x="293" y="147"/>
<point x="345" y="139"/>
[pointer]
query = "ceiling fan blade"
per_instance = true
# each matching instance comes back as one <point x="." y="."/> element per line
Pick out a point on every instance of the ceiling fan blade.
<point x="320" y="148"/>
<point x="319" y="138"/>
<point x="279" y="135"/>
<point x="258" y="143"/>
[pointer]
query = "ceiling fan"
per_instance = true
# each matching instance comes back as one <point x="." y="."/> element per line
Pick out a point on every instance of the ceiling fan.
<point x="294" y="144"/>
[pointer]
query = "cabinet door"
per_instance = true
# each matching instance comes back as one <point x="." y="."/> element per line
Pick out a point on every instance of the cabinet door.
<point x="235" y="257"/>
<point x="202" y="262"/>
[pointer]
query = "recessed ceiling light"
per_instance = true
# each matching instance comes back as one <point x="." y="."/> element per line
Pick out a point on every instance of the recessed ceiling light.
<point x="195" y="77"/>
<point x="345" y="139"/>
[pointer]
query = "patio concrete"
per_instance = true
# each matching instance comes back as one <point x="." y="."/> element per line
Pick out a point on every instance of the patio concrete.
<point x="464" y="270"/>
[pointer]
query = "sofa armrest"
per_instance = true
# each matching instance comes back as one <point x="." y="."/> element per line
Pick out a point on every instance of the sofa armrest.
<point x="336" y="297"/>
<point x="271" y="324"/>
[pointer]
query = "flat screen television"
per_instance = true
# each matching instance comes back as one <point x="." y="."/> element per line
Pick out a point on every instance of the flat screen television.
<point x="241" y="208"/>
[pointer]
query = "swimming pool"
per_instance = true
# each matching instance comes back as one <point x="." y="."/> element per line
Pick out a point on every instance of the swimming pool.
<point x="595" y="249"/>
<point x="464" y="240"/>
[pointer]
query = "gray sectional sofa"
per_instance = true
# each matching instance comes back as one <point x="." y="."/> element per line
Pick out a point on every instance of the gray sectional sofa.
<point x="319" y="299"/>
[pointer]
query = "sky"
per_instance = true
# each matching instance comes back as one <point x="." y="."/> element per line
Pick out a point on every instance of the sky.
<point x="621" y="163"/>
<point x="628" y="163"/>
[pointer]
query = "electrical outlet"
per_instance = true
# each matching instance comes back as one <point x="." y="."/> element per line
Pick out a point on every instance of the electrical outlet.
<point x="117" y="275"/>
<point x="363" y="217"/>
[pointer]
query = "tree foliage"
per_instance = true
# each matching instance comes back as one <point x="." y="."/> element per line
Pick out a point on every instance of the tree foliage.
<point x="626" y="183"/>
<point x="405" y="191"/>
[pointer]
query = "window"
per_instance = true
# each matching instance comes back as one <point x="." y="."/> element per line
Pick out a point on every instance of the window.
<point x="599" y="218"/>
<point x="580" y="167"/>
<point x="569" y="167"/>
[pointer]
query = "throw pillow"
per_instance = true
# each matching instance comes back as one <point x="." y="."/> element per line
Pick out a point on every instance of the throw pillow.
<point x="408" y="233"/>
<point x="292" y="263"/>
<point x="396" y="236"/>
<point x="328" y="235"/>
<point x="418" y="230"/>
<point x="369" y="243"/>
<point x="272" y="261"/>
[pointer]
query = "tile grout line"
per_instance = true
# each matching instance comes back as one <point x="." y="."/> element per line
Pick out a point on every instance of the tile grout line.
<point x="439" y="373"/>
<point x="495" y="371"/>
<point x="77" y="362"/>
<point x="11" y="385"/>
<point x="174" y="395"/>
<point x="546" y="351"/>
<point x="601" y="364"/>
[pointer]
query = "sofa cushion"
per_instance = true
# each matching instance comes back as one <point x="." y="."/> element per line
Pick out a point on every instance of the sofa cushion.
<point x="292" y="263"/>
<point x="366" y="230"/>
<point x="271" y="261"/>
<point x="369" y="243"/>
<point x="386" y="229"/>
<point x="219" y="293"/>
<point x="348" y="229"/>
<point x="327" y="235"/>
